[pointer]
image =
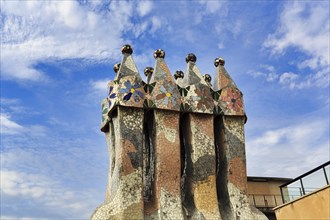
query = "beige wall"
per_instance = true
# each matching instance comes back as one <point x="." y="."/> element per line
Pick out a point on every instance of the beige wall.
<point x="312" y="206"/>
<point x="269" y="187"/>
<point x="265" y="194"/>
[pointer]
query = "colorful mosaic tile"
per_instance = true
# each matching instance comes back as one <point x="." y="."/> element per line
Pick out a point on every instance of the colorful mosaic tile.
<point x="164" y="164"/>
<point x="231" y="101"/>
<point x="222" y="78"/>
<point x="199" y="99"/>
<point x="163" y="90"/>
<point x="127" y="89"/>
<point x="195" y="91"/>
<point x="228" y="100"/>
<point x="112" y="96"/>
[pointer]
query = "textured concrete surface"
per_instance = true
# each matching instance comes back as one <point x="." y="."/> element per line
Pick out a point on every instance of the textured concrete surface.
<point x="176" y="148"/>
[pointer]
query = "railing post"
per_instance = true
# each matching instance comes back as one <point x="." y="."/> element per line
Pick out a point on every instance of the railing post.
<point x="275" y="200"/>
<point x="325" y="175"/>
<point x="282" y="195"/>
<point x="302" y="187"/>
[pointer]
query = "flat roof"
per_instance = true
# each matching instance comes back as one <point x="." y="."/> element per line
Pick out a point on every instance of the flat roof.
<point x="266" y="179"/>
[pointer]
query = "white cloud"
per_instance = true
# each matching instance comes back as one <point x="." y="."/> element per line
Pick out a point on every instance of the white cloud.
<point x="320" y="79"/>
<point x="100" y="86"/>
<point x="8" y="126"/>
<point x="156" y="24"/>
<point x="144" y="7"/>
<point x="267" y="72"/>
<point x="305" y="26"/>
<point x="21" y="184"/>
<point x="289" y="79"/>
<point x="52" y="177"/>
<point x="44" y="31"/>
<point x="291" y="150"/>
<point x="221" y="45"/>
<point x="44" y="192"/>
<point x="292" y="80"/>
<point x="211" y="6"/>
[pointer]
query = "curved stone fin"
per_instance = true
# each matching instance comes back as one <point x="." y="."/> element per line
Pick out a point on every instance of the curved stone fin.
<point x="193" y="75"/>
<point x="222" y="79"/>
<point x="128" y="69"/>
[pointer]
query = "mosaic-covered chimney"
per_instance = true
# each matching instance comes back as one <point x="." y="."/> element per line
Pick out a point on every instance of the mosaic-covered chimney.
<point x="176" y="145"/>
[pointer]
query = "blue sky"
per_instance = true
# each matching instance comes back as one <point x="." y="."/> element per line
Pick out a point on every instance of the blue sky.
<point x="57" y="56"/>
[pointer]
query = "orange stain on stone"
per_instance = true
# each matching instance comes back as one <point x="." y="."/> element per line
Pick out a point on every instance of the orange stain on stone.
<point x="237" y="173"/>
<point x="127" y="166"/>
<point x="168" y="156"/>
<point x="205" y="195"/>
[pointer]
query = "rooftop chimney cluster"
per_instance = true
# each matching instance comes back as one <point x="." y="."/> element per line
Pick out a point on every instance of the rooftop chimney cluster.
<point x="185" y="92"/>
<point x="176" y="144"/>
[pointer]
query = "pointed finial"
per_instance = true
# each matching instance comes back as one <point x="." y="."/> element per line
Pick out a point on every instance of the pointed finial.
<point x="219" y="61"/>
<point x="116" y="67"/>
<point x="148" y="71"/>
<point x="159" y="53"/>
<point x="178" y="74"/>
<point x="126" y="49"/>
<point x="191" y="57"/>
<point x="207" y="78"/>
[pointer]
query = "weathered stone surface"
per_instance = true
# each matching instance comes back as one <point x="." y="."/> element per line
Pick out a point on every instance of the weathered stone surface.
<point x="199" y="181"/>
<point x="176" y="149"/>
<point x="124" y="192"/>
<point x="165" y="201"/>
<point x="232" y="179"/>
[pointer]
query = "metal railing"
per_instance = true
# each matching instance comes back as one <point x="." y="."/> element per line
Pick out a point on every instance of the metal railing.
<point x="265" y="200"/>
<point x="306" y="183"/>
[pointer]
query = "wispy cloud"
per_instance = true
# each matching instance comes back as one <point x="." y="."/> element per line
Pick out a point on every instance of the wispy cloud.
<point x="100" y="86"/>
<point x="8" y="126"/>
<point x="51" y="176"/>
<point x="304" y="25"/>
<point x="211" y="6"/>
<point x="144" y="7"/>
<point x="292" y="80"/>
<point x="65" y="30"/>
<point x="290" y="150"/>
<point x="44" y="192"/>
